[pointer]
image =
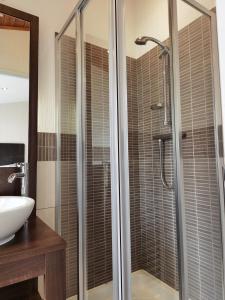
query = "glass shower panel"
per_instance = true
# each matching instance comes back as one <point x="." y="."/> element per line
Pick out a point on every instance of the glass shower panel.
<point x="154" y="254"/>
<point x="98" y="242"/>
<point x="201" y="189"/>
<point x="66" y="154"/>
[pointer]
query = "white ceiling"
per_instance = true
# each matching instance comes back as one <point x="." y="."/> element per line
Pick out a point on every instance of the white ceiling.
<point x="13" y="89"/>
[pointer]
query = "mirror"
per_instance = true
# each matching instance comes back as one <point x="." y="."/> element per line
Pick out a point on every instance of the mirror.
<point x="14" y="81"/>
<point x="18" y="101"/>
<point x="18" y="112"/>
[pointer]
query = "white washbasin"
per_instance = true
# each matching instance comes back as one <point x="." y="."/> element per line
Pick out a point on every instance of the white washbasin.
<point x="14" y="211"/>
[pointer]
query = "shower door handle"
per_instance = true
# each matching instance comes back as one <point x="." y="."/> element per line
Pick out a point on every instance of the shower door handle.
<point x="223" y="181"/>
<point x="223" y="171"/>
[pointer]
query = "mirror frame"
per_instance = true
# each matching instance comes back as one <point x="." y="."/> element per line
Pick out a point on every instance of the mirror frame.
<point x="33" y="95"/>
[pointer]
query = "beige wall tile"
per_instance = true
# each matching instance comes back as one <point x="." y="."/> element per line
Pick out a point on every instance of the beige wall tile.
<point x="46" y="184"/>
<point x="41" y="287"/>
<point x="72" y="298"/>
<point x="48" y="216"/>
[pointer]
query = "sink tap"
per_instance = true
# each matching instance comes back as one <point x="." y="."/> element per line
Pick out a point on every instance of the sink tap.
<point x="21" y="175"/>
<point x="13" y="176"/>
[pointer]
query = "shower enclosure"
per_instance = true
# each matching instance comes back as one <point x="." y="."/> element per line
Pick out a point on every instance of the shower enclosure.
<point x="140" y="197"/>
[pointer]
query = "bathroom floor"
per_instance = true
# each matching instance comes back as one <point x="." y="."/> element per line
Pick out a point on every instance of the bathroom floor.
<point x="144" y="287"/>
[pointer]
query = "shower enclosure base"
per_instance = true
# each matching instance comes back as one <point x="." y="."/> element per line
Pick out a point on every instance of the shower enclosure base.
<point x="144" y="287"/>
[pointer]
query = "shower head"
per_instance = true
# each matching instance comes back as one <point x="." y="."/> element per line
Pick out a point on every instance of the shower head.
<point x="141" y="41"/>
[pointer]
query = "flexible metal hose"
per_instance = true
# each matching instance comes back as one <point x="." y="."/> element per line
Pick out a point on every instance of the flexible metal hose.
<point x="162" y="169"/>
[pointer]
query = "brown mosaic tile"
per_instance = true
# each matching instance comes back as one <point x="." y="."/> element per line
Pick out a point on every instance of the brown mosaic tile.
<point x="202" y="208"/>
<point x="69" y="226"/>
<point x="157" y="205"/>
<point x="46" y="146"/>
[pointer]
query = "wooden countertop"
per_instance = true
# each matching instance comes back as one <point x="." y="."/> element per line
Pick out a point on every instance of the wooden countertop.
<point x="34" y="239"/>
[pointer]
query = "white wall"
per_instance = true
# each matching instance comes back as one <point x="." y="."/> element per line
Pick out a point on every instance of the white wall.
<point x="142" y="17"/>
<point x="52" y="15"/>
<point x="96" y="21"/>
<point x="150" y="18"/>
<point x="11" y="61"/>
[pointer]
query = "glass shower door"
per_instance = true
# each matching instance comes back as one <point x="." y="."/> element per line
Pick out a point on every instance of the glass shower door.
<point x="200" y="114"/>
<point x="153" y="218"/>
<point x="183" y="89"/>
<point x="96" y="198"/>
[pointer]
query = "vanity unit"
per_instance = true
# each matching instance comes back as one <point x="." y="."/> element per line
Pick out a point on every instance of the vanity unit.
<point x="35" y="249"/>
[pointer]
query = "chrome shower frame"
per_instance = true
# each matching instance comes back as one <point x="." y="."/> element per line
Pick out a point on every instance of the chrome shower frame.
<point x="119" y="145"/>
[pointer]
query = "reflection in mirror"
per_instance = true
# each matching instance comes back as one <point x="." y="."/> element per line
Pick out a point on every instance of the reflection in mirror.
<point x="14" y="80"/>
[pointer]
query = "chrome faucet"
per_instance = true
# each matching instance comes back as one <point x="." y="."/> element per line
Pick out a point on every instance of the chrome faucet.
<point x="13" y="176"/>
<point x="20" y="175"/>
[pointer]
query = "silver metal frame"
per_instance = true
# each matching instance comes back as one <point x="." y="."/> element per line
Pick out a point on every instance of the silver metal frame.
<point x="114" y="157"/>
<point x="81" y="156"/>
<point x="198" y="6"/>
<point x="177" y="151"/>
<point x="218" y="123"/>
<point x="76" y="9"/>
<point x="123" y="151"/>
<point x="58" y="134"/>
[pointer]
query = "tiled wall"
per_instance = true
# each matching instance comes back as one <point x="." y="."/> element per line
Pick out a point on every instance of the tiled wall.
<point x="46" y="146"/>
<point x="202" y="209"/>
<point x="134" y="173"/>
<point x="46" y="177"/>
<point x="201" y="192"/>
<point x="46" y="168"/>
<point x="68" y="162"/>
<point x="158" y="222"/>
<point x="157" y="204"/>
<point x="98" y="221"/>
<point x="99" y="252"/>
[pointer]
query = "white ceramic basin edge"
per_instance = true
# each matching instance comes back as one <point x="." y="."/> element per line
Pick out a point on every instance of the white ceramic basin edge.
<point x="14" y="211"/>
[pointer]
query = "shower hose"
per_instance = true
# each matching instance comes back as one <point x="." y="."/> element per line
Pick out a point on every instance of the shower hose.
<point x="162" y="166"/>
